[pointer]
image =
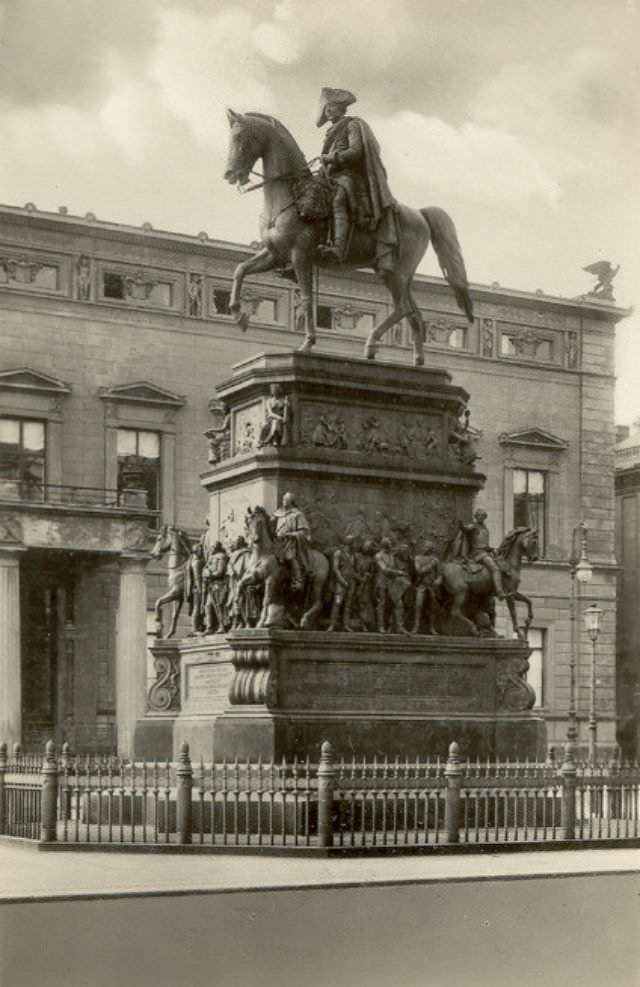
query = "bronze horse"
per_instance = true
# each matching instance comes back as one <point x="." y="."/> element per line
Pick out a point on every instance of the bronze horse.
<point x="264" y="568"/>
<point x="288" y="241"/>
<point x="474" y="594"/>
<point x="175" y="542"/>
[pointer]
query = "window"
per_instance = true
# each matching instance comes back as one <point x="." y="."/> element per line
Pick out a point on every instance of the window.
<point x="529" y="502"/>
<point x="22" y="459"/>
<point x="535" y="675"/>
<point x="138" y="468"/>
<point x="324" y="317"/>
<point x="221" y="301"/>
<point x="113" y="286"/>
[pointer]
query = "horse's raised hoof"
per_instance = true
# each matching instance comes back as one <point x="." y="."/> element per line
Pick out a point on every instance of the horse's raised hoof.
<point x="370" y="351"/>
<point x="418" y="359"/>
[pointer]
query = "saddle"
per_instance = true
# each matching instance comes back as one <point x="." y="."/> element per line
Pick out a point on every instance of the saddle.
<point x="313" y="199"/>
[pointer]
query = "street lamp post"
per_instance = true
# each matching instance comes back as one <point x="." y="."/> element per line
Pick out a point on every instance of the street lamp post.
<point x="592" y="616"/>
<point x="581" y="572"/>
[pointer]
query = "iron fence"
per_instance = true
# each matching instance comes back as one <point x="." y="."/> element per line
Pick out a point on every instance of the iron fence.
<point x="298" y="803"/>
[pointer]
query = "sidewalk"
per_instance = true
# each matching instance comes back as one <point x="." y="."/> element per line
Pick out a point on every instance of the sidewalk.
<point x="28" y="875"/>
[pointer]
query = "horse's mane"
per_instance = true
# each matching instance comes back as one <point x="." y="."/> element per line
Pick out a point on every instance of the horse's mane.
<point x="507" y="542"/>
<point x="283" y="131"/>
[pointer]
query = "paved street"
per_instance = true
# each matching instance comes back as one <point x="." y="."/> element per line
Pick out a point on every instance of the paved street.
<point x="29" y="874"/>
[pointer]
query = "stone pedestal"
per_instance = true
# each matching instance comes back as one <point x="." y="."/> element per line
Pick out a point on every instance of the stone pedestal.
<point x="10" y="653"/>
<point x="369" y="451"/>
<point x="366" y="450"/>
<point x="260" y="693"/>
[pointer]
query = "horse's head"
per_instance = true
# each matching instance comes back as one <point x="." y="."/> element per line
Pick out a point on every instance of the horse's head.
<point x="245" y="147"/>
<point x="162" y="543"/>
<point x="258" y="526"/>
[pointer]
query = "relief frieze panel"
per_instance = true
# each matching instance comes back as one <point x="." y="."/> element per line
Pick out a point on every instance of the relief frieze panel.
<point x="414" y="437"/>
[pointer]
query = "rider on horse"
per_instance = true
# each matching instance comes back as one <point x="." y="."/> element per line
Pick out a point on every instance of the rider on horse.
<point x="473" y="543"/>
<point x="360" y="193"/>
<point x="294" y="535"/>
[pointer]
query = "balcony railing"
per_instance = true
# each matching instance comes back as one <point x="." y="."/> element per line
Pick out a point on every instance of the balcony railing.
<point x="67" y="495"/>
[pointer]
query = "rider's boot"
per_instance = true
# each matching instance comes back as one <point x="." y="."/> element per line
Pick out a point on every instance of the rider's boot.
<point x="297" y="580"/>
<point x="337" y="251"/>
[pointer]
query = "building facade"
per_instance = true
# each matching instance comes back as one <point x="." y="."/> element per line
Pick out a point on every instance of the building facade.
<point x="627" y="487"/>
<point x="113" y="339"/>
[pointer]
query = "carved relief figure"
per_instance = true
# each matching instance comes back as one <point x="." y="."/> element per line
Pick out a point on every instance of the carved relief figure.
<point x="329" y="431"/>
<point x="194" y="295"/>
<point x="275" y="430"/>
<point x="344" y="572"/>
<point x="487" y="337"/>
<point x="83" y="278"/>
<point x="428" y="579"/>
<point x="474" y="545"/>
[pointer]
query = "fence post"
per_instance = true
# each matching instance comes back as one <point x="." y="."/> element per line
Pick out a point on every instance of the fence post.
<point x="453" y="775"/>
<point x="49" y="807"/>
<point x="3" y="768"/>
<point x="184" y="784"/>
<point x="327" y="773"/>
<point x="568" y="810"/>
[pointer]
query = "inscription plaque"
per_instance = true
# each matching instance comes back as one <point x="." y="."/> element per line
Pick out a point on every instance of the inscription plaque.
<point x="207" y="686"/>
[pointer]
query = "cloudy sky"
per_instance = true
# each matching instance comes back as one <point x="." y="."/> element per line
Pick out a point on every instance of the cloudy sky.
<point x="520" y="117"/>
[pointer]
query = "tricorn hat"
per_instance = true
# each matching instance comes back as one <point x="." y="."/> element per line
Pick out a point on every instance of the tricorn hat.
<point x="333" y="96"/>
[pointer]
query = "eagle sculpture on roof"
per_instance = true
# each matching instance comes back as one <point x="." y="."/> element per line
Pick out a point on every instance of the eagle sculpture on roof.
<point x="605" y="273"/>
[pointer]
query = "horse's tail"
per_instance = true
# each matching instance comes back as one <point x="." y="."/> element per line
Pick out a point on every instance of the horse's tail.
<point x="447" y="248"/>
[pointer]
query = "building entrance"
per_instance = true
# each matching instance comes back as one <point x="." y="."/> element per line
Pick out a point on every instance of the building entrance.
<point x="47" y="605"/>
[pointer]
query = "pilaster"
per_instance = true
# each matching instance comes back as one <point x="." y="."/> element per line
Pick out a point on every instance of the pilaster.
<point x="131" y="648"/>
<point x="10" y="654"/>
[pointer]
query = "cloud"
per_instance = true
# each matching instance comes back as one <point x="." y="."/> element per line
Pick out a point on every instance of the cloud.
<point x="202" y="63"/>
<point x="473" y="161"/>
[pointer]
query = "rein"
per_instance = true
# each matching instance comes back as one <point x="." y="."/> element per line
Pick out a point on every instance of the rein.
<point x="287" y="176"/>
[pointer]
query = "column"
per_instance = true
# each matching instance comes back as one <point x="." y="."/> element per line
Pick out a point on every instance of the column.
<point x="131" y="649"/>
<point x="10" y="654"/>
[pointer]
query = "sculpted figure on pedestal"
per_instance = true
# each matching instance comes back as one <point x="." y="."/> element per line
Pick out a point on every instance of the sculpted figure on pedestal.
<point x="215" y="589"/>
<point x="344" y="572"/>
<point x="391" y="583"/>
<point x="275" y="430"/>
<point x="461" y="440"/>
<point x="428" y="580"/>
<point x="294" y="536"/>
<point x="359" y="189"/>
<point x="219" y="437"/>
<point x="369" y="228"/>
<point x="365" y="565"/>
<point x="194" y="587"/>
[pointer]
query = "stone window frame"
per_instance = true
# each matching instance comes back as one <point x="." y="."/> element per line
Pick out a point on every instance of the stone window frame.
<point x="531" y="334"/>
<point x="251" y="291"/>
<point x="30" y="395"/>
<point x="341" y="306"/>
<point x="37" y="259"/>
<point x="536" y="450"/>
<point x="174" y="279"/>
<point x="144" y="406"/>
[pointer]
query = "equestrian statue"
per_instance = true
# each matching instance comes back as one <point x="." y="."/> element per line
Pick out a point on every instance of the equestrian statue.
<point x="343" y="216"/>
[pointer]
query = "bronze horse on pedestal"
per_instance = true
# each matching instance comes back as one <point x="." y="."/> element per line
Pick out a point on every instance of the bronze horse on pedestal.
<point x="289" y="241"/>
<point x="264" y="568"/>
<point x="471" y="595"/>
